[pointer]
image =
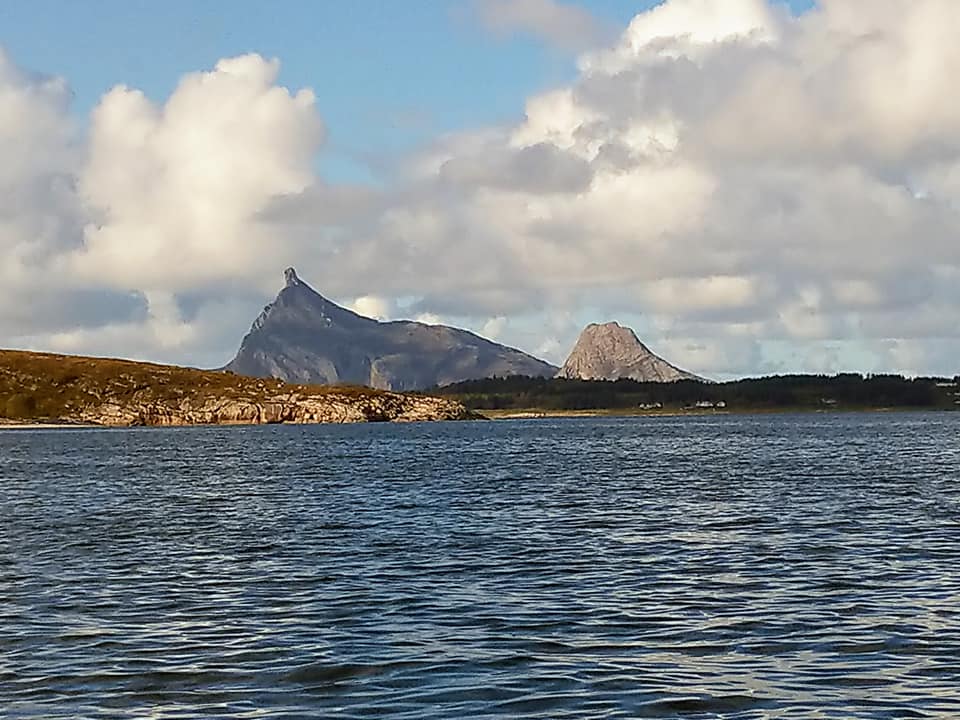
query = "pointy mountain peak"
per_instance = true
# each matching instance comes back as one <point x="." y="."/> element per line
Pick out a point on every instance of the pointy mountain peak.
<point x="304" y="337"/>
<point x="610" y="351"/>
<point x="299" y="304"/>
<point x="290" y="277"/>
<point x="302" y="291"/>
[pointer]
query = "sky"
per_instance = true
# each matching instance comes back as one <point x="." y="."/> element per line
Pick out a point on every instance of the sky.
<point x="756" y="187"/>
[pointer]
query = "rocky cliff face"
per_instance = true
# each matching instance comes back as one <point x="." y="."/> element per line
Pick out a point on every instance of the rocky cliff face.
<point x="39" y="387"/>
<point x="290" y="407"/>
<point x="612" y="352"/>
<point x="303" y="337"/>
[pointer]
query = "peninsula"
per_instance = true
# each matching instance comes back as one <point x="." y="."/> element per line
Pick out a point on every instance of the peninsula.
<point x="48" y="388"/>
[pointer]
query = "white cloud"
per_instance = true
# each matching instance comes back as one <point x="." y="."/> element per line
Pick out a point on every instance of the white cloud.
<point x="551" y="350"/>
<point x="39" y="213"/>
<point x="749" y="170"/>
<point x="494" y="327"/>
<point x="688" y="28"/>
<point x="371" y="306"/>
<point x="104" y="234"/>
<point x="178" y="186"/>
<point x="704" y="294"/>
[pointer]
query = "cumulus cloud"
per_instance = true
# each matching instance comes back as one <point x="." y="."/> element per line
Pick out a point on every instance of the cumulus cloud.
<point x="686" y="29"/>
<point x="747" y="175"/>
<point x="157" y="201"/>
<point x="40" y="216"/>
<point x="565" y="25"/>
<point x="754" y="191"/>
<point x="178" y="187"/>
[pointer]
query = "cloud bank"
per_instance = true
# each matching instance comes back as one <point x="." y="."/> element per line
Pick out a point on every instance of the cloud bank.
<point x="755" y="191"/>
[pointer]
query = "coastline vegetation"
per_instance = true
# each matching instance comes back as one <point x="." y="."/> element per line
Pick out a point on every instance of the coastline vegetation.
<point x="847" y="391"/>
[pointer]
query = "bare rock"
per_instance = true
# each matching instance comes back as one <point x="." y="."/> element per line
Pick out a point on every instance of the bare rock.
<point x="612" y="352"/>
<point x="303" y="337"/>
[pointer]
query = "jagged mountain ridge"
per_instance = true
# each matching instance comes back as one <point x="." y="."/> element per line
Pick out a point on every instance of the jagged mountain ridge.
<point x="609" y="351"/>
<point x="304" y="337"/>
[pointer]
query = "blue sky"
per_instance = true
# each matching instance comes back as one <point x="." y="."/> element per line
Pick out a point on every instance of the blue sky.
<point x="388" y="75"/>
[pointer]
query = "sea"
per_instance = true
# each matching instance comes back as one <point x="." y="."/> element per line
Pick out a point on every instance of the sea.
<point x="769" y="566"/>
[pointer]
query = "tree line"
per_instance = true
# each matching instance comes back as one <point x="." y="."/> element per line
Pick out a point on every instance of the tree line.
<point x="848" y="390"/>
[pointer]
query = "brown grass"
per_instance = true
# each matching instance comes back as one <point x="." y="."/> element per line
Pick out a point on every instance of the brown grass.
<point x="45" y="386"/>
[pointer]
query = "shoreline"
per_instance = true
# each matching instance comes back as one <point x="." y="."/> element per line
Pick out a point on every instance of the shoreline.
<point x="45" y="426"/>
<point x="540" y="414"/>
<point x="521" y="414"/>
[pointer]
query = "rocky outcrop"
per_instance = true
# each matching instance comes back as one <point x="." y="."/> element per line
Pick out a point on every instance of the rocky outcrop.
<point x="40" y="387"/>
<point x="612" y="352"/>
<point x="328" y="408"/>
<point x="302" y="337"/>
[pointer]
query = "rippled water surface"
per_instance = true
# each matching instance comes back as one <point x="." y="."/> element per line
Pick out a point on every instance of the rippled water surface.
<point x="736" y="567"/>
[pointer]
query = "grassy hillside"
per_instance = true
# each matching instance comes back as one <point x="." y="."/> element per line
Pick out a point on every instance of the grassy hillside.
<point x="48" y="387"/>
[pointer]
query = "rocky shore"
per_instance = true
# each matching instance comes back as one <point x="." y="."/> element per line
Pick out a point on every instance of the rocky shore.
<point x="292" y="407"/>
<point x="46" y="388"/>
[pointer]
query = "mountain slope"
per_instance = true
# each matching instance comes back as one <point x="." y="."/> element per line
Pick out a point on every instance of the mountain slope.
<point x="303" y="337"/>
<point x="612" y="352"/>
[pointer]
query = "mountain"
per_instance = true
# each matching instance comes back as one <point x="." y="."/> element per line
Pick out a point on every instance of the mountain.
<point x="303" y="337"/>
<point x="612" y="352"/>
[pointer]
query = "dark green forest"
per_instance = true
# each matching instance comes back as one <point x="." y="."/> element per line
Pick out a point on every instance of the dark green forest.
<point x="814" y="392"/>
